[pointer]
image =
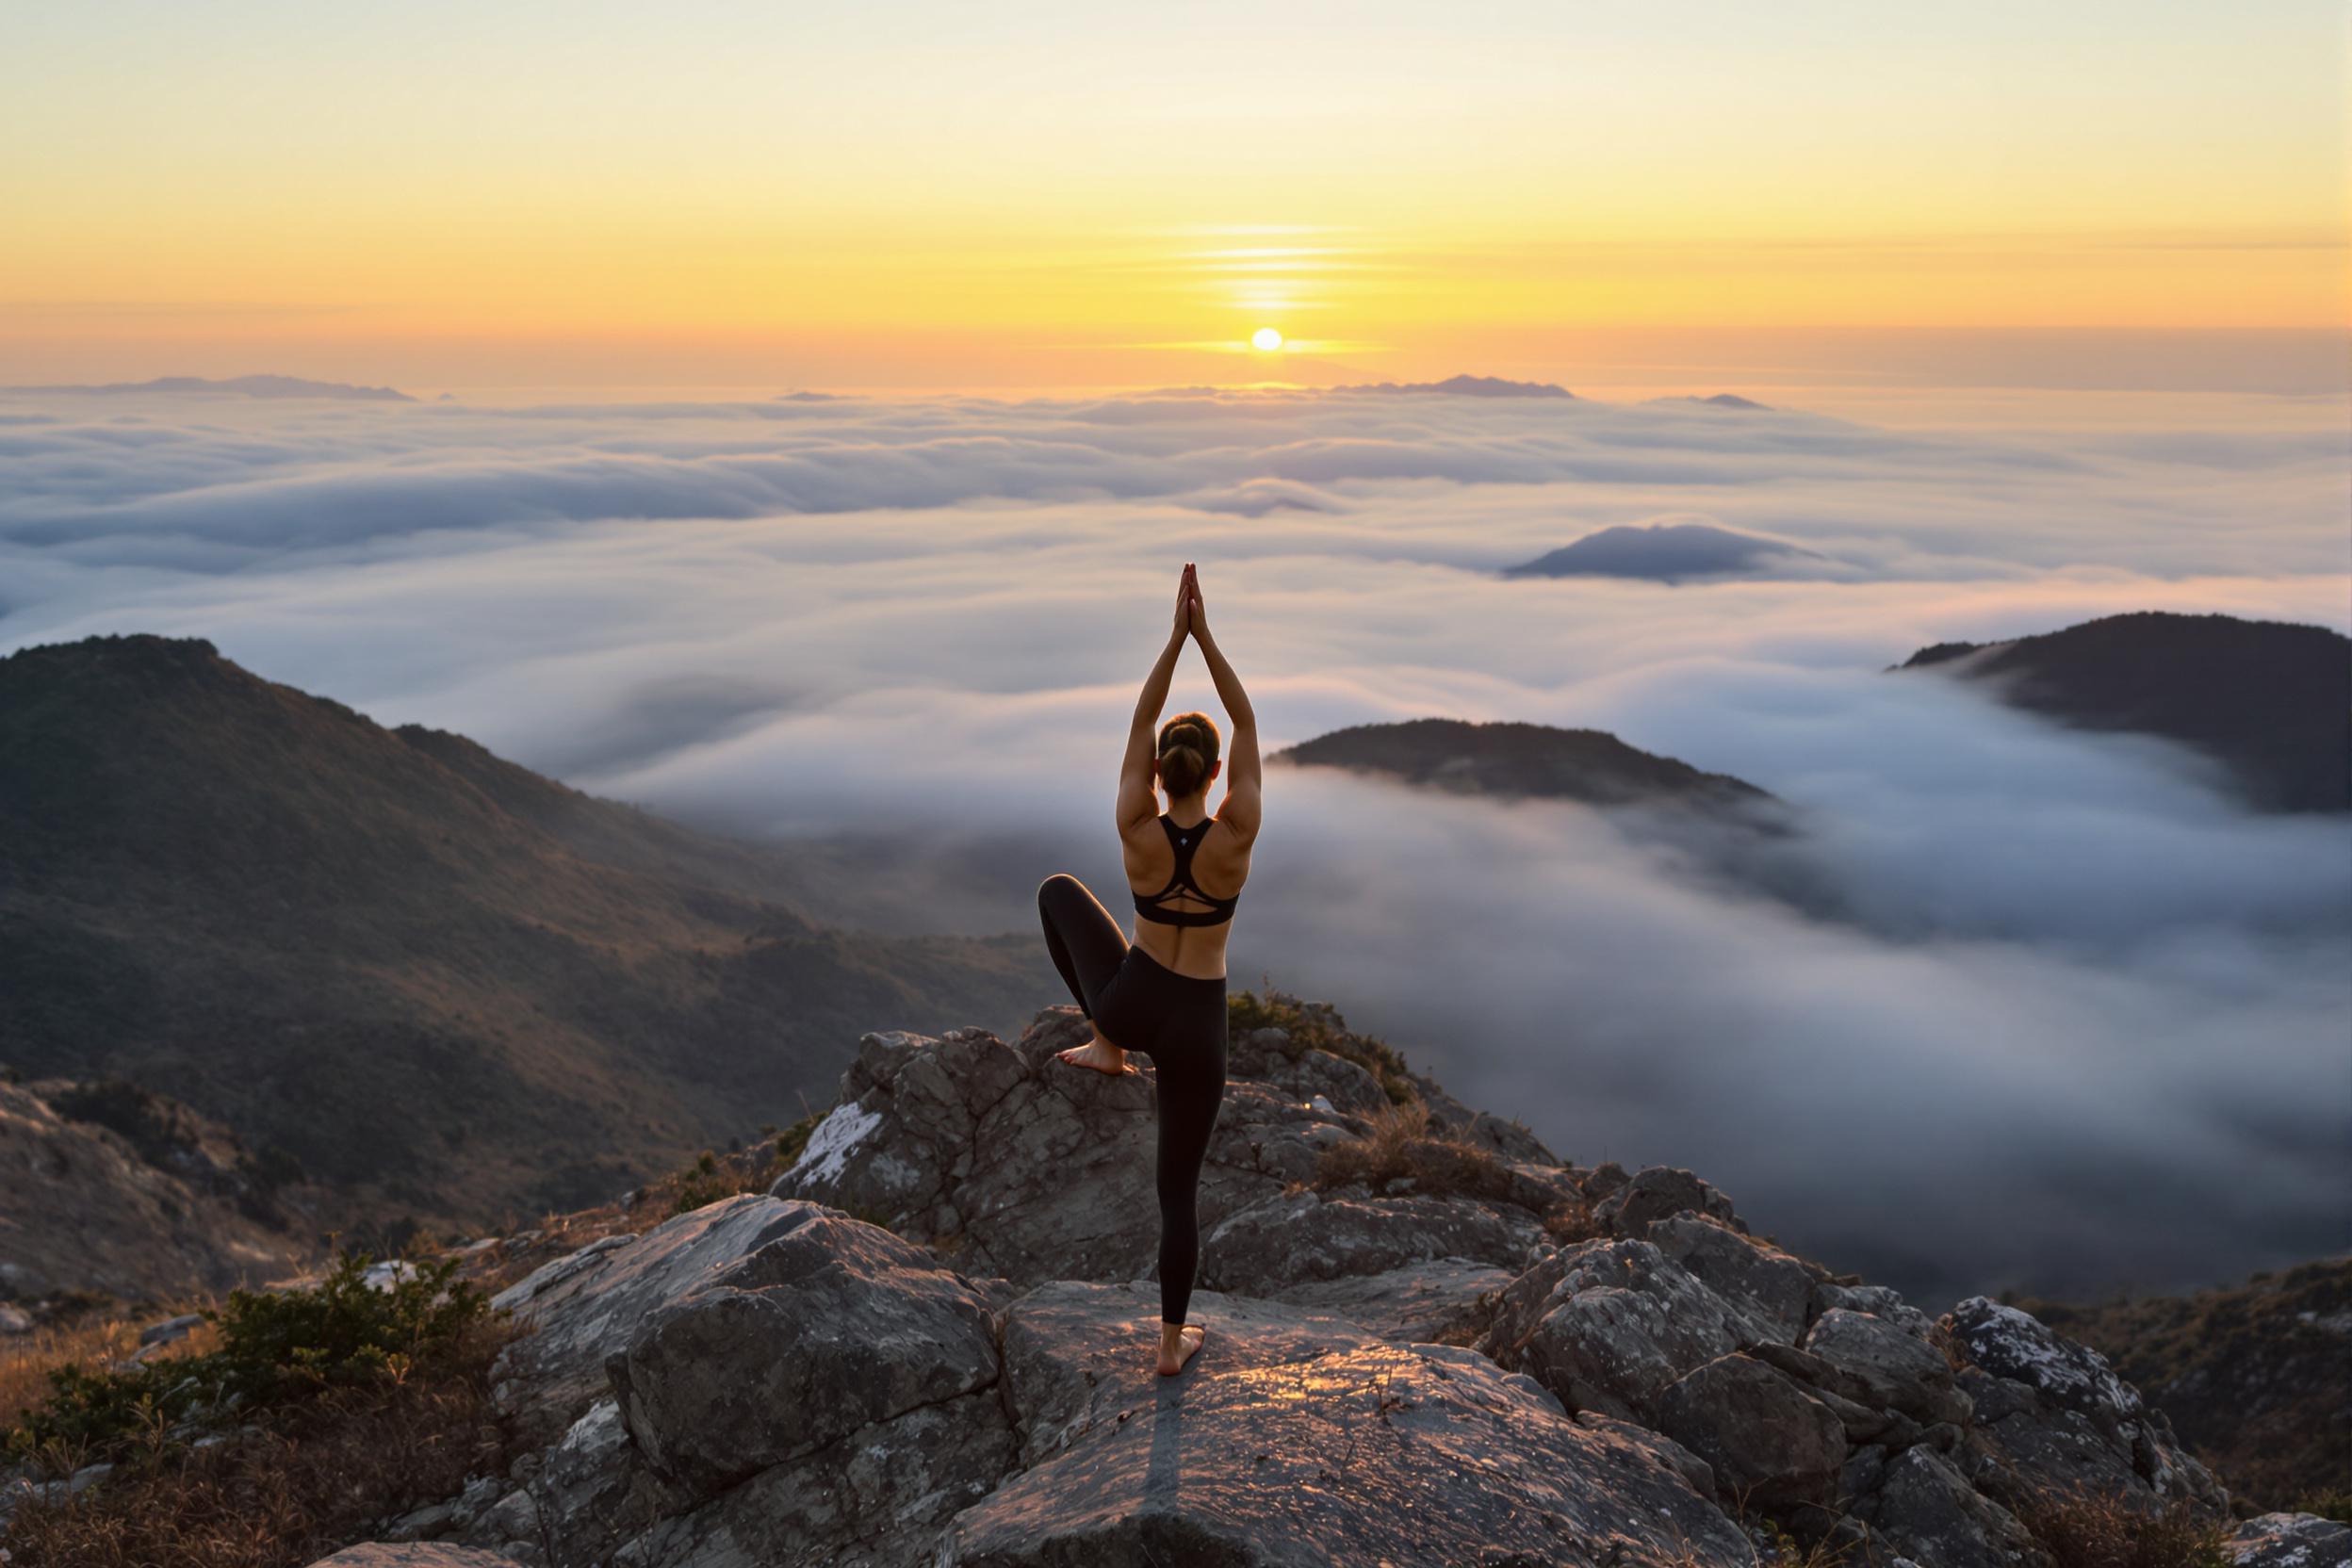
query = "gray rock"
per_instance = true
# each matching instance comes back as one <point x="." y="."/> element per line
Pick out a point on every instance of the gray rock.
<point x="1880" y="1301"/>
<point x="1767" y="1440"/>
<point x="1609" y="1325"/>
<point x="1896" y="1370"/>
<point x="1658" y="1193"/>
<point x="879" y="1496"/>
<point x="14" y="1319"/>
<point x="1013" y="1163"/>
<point x="830" y="1326"/>
<point x="2291" y="1541"/>
<point x="1924" y="1510"/>
<point x="584" y="1307"/>
<point x="1296" y="1438"/>
<point x="1446" y="1300"/>
<point x="1776" y="1287"/>
<point x="2055" y="1416"/>
<point x="388" y="1554"/>
<point x="1294" y="1238"/>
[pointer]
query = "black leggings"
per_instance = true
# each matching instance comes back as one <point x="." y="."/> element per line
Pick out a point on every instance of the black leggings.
<point x="1139" y="1004"/>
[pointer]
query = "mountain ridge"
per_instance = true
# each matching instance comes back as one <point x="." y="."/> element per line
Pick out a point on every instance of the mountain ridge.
<point x="445" y="984"/>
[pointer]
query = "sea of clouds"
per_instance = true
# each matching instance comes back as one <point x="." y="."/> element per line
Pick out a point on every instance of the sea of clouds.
<point x="2082" y="1022"/>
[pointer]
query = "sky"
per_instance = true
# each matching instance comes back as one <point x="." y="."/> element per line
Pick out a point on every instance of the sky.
<point x="906" y="195"/>
<point x="2080" y="1025"/>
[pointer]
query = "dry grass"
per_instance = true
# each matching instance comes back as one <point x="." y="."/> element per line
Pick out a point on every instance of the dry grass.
<point x="92" y="1341"/>
<point x="2087" y="1530"/>
<point x="1400" y="1147"/>
<point x="314" y="1477"/>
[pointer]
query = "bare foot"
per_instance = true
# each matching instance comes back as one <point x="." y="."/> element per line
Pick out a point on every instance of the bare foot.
<point x="1177" y="1345"/>
<point x="1100" y="1054"/>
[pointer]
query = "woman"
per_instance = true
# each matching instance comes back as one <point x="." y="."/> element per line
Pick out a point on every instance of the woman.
<point x="1165" y="996"/>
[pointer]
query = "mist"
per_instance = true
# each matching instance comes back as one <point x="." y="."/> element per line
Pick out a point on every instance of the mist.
<point x="2078" y="1022"/>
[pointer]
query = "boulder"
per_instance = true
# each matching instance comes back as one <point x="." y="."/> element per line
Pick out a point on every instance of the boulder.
<point x="1294" y="1238"/>
<point x="2291" y="1541"/>
<point x="1768" y="1441"/>
<point x="1880" y="1301"/>
<point x="1661" y="1192"/>
<point x="832" y="1325"/>
<point x="1610" y="1325"/>
<point x="1299" y="1438"/>
<point x="2054" y="1416"/>
<point x="1921" y="1508"/>
<point x="1774" y="1286"/>
<point x="1896" y="1370"/>
<point x="583" y="1307"/>
<point x="1010" y="1163"/>
<point x="1447" y="1300"/>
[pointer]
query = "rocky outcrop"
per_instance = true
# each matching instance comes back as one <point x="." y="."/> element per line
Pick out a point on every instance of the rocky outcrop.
<point x="1303" y="1439"/>
<point x="1013" y="1163"/>
<point x="2291" y="1541"/>
<point x="2053" y="1416"/>
<point x="1404" y="1375"/>
<point x="414" y="1555"/>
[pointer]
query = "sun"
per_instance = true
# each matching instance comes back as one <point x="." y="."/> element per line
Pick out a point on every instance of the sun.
<point x="1265" y="340"/>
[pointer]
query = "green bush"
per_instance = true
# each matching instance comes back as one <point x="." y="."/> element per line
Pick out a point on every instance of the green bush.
<point x="275" y="1348"/>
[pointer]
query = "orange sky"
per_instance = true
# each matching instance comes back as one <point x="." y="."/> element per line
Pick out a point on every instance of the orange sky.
<point x="910" y="194"/>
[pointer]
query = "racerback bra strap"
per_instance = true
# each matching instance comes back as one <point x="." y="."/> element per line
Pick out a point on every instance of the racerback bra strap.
<point x="1153" y="907"/>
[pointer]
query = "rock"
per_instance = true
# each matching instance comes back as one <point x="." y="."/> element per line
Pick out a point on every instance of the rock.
<point x="2055" y="1416"/>
<point x="1299" y="1437"/>
<point x="1297" y="1238"/>
<point x="1348" y="1087"/>
<point x="386" y="1554"/>
<point x="1880" y="1301"/>
<point x="170" y="1330"/>
<point x="1661" y="1192"/>
<point x="2291" y="1541"/>
<point x="1609" y="1325"/>
<point x="583" y="1307"/>
<point x="1768" y="1442"/>
<point x="1896" y="1370"/>
<point x="830" y="1326"/>
<point x="1776" y="1287"/>
<point x="1447" y="1300"/>
<point x="1923" y="1508"/>
<point x="879" y="1496"/>
<point x="1010" y="1163"/>
<point x="14" y="1319"/>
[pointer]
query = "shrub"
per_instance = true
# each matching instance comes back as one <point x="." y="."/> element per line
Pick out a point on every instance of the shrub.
<point x="2083" y="1529"/>
<point x="275" y="1348"/>
<point x="316" y="1476"/>
<point x="1399" y="1146"/>
<point x="1317" y="1026"/>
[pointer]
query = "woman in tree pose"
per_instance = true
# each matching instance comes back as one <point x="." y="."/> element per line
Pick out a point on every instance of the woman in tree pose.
<point x="1165" y="995"/>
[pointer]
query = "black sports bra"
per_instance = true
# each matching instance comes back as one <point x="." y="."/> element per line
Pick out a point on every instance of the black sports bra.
<point x="1185" y="841"/>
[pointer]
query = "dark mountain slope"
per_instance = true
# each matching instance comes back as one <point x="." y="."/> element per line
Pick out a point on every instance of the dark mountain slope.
<point x="445" y="985"/>
<point x="2257" y="1378"/>
<point x="1590" y="765"/>
<point x="2270" y="699"/>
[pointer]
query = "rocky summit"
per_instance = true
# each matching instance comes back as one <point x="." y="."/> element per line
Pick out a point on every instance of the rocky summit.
<point x="929" y="1343"/>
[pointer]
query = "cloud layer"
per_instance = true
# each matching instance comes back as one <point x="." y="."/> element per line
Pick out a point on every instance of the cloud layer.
<point x="2085" y="1024"/>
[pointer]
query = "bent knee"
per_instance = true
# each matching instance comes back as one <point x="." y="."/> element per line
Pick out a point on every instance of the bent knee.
<point x="1060" y="885"/>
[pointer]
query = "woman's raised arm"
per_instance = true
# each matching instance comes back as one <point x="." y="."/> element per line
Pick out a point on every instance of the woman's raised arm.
<point x="1245" y="779"/>
<point x="1136" y="801"/>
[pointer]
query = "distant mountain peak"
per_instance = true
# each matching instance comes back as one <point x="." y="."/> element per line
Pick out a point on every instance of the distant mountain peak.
<point x="1662" y="552"/>
<point x="1513" y="759"/>
<point x="1467" y="386"/>
<point x="243" y="387"/>
<point x="2270" y="699"/>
